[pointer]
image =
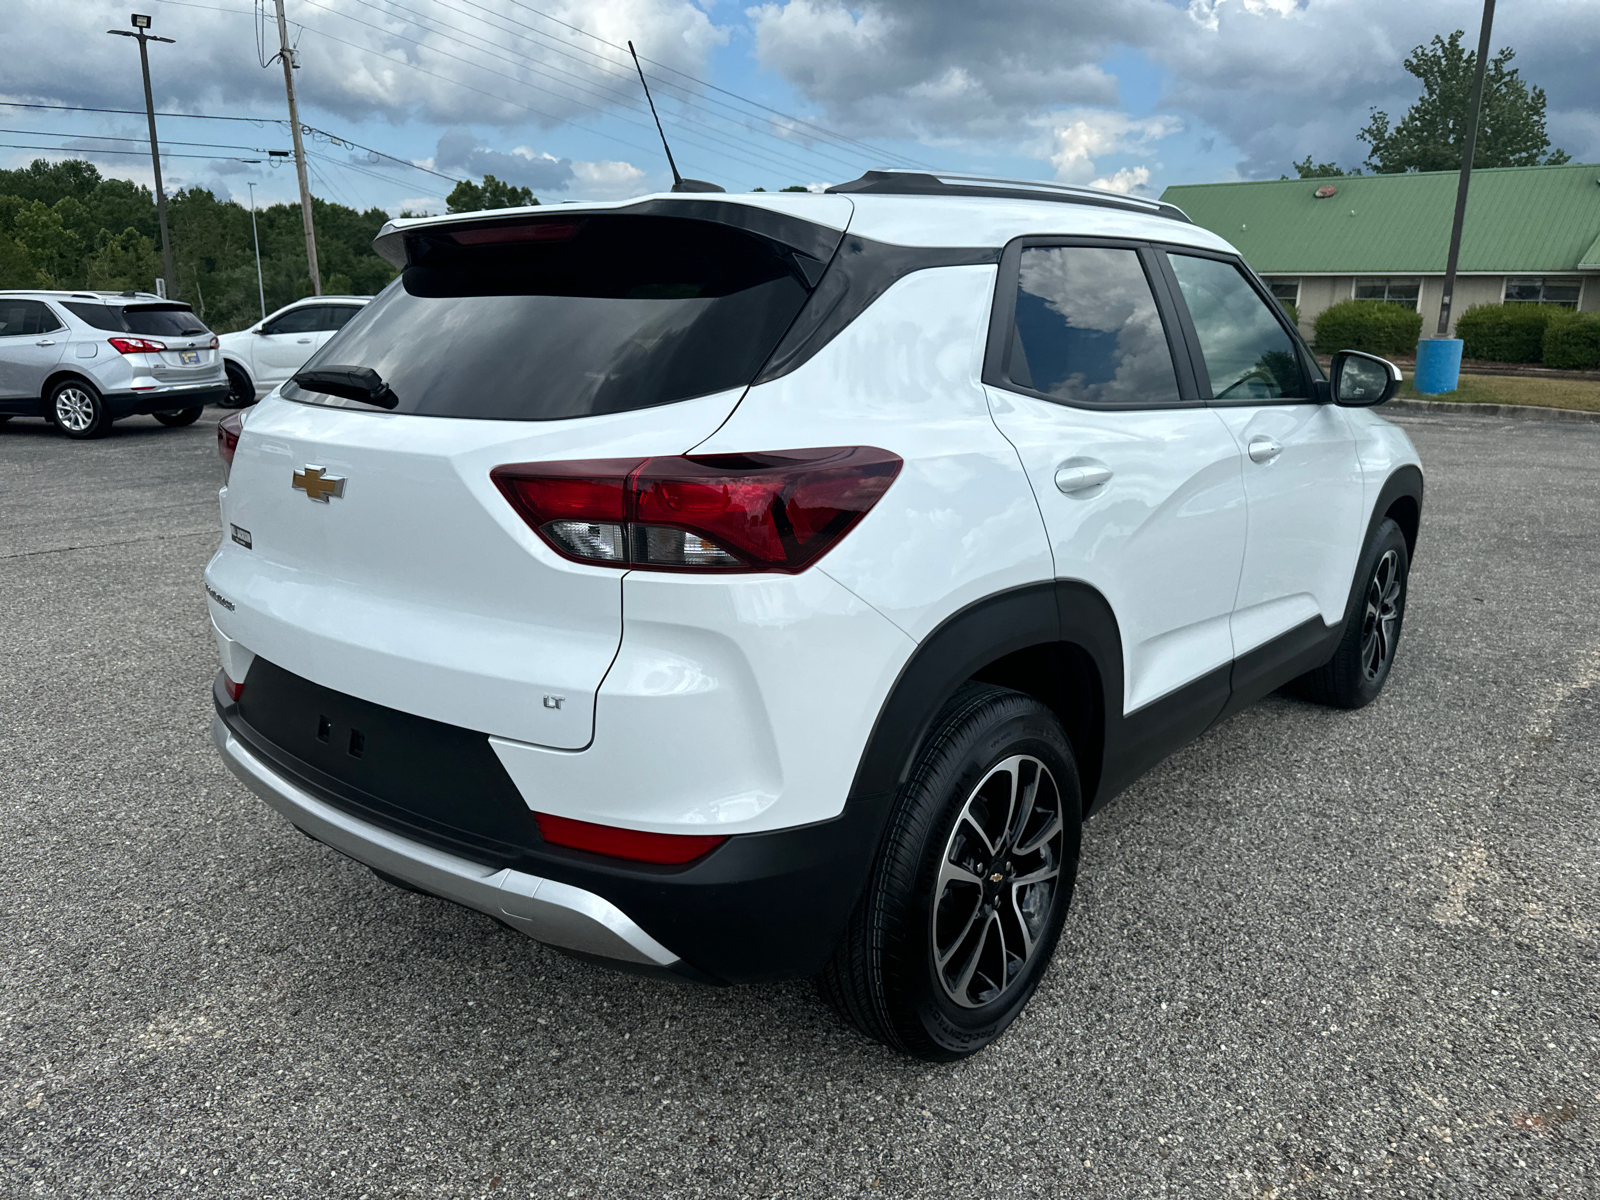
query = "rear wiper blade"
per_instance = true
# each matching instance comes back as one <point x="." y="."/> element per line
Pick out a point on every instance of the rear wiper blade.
<point x="352" y="383"/>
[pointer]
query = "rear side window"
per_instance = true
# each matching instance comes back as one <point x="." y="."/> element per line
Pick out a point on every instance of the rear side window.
<point x="558" y="318"/>
<point x="1248" y="353"/>
<point x="1087" y="329"/>
<point x="337" y="316"/>
<point x="147" y="320"/>
<point x="23" y="318"/>
<point x="305" y="319"/>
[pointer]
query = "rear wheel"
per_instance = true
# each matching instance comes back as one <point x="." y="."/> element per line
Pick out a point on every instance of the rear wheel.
<point x="962" y="913"/>
<point x="1356" y="673"/>
<point x="77" y="410"/>
<point x="241" y="392"/>
<point x="184" y="416"/>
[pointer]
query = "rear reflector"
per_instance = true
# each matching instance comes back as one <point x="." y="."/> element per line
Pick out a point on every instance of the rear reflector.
<point x="778" y="511"/>
<point x="228" y="430"/>
<point x="671" y="849"/>
<point x="234" y="690"/>
<point x="133" y="345"/>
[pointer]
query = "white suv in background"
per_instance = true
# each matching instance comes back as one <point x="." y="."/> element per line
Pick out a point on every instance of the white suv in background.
<point x="748" y="587"/>
<point x="261" y="357"/>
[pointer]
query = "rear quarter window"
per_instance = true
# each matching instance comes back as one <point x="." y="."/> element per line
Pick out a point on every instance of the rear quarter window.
<point x="560" y="318"/>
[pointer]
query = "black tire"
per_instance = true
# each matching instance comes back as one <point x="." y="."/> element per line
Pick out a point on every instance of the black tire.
<point x="898" y="974"/>
<point x="241" y="392"/>
<point x="184" y="416"/>
<point x="1356" y="673"/>
<point x="77" y="410"/>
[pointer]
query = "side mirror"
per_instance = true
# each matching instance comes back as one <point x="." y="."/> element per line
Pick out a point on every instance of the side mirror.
<point x="261" y="329"/>
<point x="1361" y="380"/>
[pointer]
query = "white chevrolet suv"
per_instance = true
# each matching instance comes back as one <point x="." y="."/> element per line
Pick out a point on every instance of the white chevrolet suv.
<point x="755" y="586"/>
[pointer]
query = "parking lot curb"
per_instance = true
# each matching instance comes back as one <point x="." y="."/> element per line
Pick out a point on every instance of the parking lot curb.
<point x="1527" y="412"/>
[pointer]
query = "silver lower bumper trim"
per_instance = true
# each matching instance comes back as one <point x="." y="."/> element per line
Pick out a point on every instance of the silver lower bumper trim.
<point x="544" y="909"/>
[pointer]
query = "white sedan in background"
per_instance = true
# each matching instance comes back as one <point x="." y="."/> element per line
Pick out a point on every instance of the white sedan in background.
<point x="261" y="357"/>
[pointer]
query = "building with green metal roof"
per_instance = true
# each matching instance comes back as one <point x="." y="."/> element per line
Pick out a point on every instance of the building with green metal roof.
<point x="1532" y="234"/>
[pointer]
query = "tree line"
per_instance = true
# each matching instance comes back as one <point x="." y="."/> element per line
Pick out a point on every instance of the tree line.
<point x="64" y="225"/>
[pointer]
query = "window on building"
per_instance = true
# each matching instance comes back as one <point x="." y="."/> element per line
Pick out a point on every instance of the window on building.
<point x="1545" y="289"/>
<point x="1398" y="290"/>
<point x="1285" y="290"/>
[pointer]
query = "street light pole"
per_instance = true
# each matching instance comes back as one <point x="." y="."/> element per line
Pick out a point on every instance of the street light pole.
<point x="286" y="53"/>
<point x="141" y="25"/>
<point x="260" y="287"/>
<point x="1469" y="143"/>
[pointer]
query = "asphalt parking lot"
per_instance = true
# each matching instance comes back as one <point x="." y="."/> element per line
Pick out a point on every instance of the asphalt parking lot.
<point x="1314" y="954"/>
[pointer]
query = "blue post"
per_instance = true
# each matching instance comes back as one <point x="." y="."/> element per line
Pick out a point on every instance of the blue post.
<point x="1438" y="365"/>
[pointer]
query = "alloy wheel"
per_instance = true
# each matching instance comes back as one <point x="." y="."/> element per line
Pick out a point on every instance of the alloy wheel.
<point x="997" y="881"/>
<point x="74" y="409"/>
<point x="1378" y="627"/>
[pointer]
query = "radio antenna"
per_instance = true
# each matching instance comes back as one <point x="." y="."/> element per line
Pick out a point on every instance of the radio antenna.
<point x="679" y="183"/>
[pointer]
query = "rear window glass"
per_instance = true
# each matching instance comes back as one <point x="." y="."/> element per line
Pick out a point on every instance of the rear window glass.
<point x="148" y="320"/>
<point x="569" y="318"/>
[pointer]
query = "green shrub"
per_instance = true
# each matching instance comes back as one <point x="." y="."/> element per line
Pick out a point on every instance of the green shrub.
<point x="1572" y="340"/>
<point x="1375" y="326"/>
<point x="1510" y="333"/>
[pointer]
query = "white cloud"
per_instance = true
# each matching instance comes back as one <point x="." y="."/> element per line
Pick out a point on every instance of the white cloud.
<point x="1126" y="179"/>
<point x="1076" y="139"/>
<point x="607" y="180"/>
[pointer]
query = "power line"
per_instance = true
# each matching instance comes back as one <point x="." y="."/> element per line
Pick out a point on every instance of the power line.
<point x="622" y="99"/>
<point x="80" y="150"/>
<point x="706" y="83"/>
<point x="312" y="129"/>
<point x="102" y="137"/>
<point x="501" y="74"/>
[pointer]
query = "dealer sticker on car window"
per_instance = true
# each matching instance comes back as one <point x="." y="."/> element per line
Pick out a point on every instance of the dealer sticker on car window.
<point x="189" y="358"/>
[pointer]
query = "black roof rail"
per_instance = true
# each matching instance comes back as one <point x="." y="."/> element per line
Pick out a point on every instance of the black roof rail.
<point x="924" y="183"/>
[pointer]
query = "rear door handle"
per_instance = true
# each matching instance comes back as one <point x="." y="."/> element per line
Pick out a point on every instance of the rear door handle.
<point x="1263" y="449"/>
<point x="305" y="341"/>
<point x="1081" y="478"/>
<point x="46" y="342"/>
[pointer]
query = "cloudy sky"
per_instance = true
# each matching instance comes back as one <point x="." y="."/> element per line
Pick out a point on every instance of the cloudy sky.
<point x="407" y="95"/>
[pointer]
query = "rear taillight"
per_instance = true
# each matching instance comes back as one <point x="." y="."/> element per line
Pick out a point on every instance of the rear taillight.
<point x="214" y="342"/>
<point x="668" y="849"/>
<point x="129" y="345"/>
<point x="778" y="511"/>
<point x="228" y="430"/>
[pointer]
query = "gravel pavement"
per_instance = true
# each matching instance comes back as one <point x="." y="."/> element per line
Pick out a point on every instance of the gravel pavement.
<point x="1314" y="954"/>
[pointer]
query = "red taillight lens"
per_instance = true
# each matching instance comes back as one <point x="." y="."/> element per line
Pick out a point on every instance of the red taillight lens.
<point x="669" y="849"/>
<point x="131" y="345"/>
<point x="777" y="511"/>
<point x="215" y="342"/>
<point x="234" y="690"/>
<point x="228" y="430"/>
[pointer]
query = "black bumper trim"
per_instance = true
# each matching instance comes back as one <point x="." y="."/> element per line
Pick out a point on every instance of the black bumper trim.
<point x="761" y="907"/>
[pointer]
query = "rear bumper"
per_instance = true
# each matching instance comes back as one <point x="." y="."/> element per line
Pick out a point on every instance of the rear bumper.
<point x="545" y="909"/>
<point x="167" y="398"/>
<point x="761" y="907"/>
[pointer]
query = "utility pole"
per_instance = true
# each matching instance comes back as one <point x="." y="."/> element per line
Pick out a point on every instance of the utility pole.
<point x="141" y="25"/>
<point x="286" y="53"/>
<point x="1469" y="143"/>
<point x="260" y="287"/>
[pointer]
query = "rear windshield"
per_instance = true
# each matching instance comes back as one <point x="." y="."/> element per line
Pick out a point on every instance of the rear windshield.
<point x="570" y="317"/>
<point x="148" y="320"/>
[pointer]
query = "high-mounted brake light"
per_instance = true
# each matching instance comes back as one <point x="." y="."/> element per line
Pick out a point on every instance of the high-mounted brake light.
<point x="668" y="849"/>
<point x="533" y="231"/>
<point x="228" y="430"/>
<point x="778" y="511"/>
<point x="133" y="345"/>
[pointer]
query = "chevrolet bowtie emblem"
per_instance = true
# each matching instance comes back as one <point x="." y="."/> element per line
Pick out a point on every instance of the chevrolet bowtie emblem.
<point x="317" y="485"/>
